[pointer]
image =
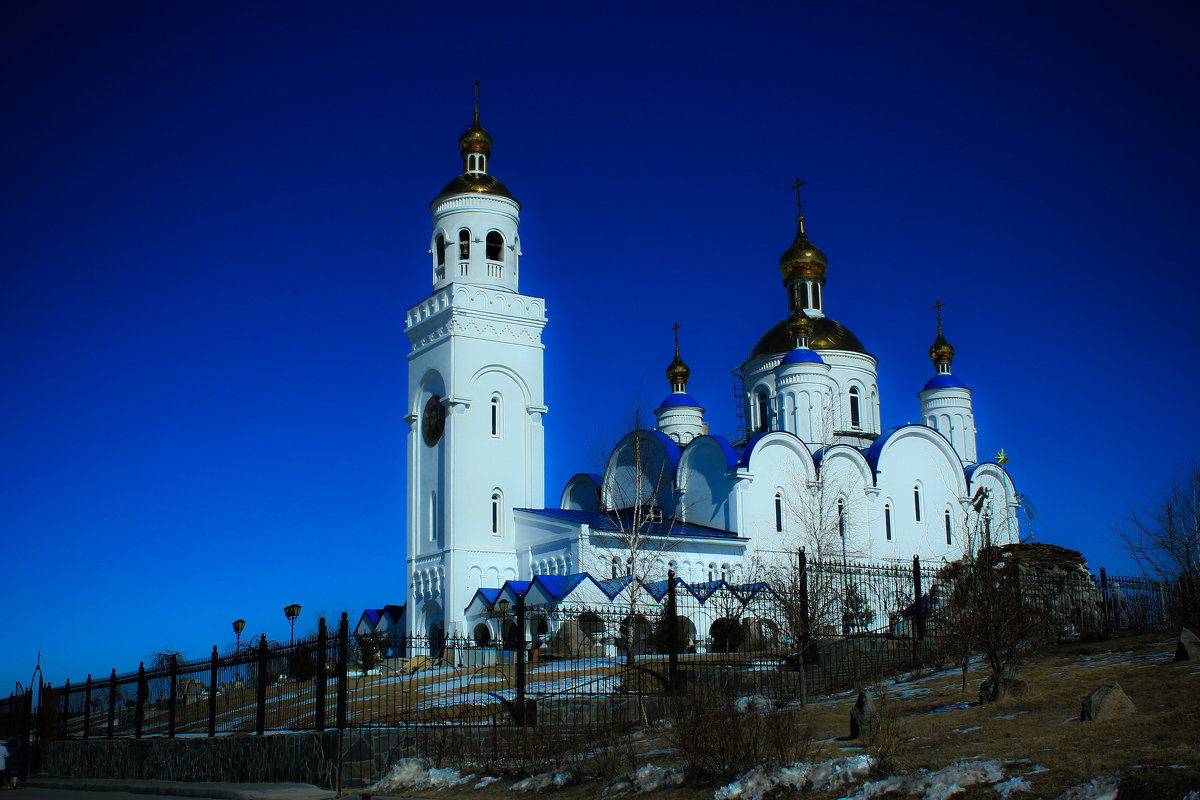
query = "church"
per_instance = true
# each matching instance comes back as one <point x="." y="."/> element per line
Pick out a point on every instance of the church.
<point x="813" y="466"/>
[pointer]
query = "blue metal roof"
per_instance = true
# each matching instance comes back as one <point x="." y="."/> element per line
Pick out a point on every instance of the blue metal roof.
<point x="872" y="454"/>
<point x="748" y="450"/>
<point x="559" y="586"/>
<point x="490" y="595"/>
<point x="394" y="611"/>
<point x="801" y="355"/>
<point x="944" y="381"/>
<point x="617" y="521"/>
<point x="679" y="399"/>
<point x="373" y="614"/>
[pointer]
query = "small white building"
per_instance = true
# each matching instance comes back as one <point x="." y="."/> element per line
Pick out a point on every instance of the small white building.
<point x="814" y="467"/>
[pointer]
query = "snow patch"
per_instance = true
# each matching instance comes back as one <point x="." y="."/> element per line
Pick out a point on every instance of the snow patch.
<point x="939" y="785"/>
<point x="1012" y="786"/>
<point x="541" y="782"/>
<point x="415" y="773"/>
<point x="487" y="781"/>
<point x="644" y="779"/>
<point x="1101" y="787"/>
<point x="822" y="776"/>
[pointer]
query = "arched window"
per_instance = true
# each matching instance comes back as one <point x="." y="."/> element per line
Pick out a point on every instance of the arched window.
<point x="629" y="566"/>
<point x="440" y="247"/>
<point x="616" y="566"/>
<point x="779" y="512"/>
<point x="496" y="531"/>
<point x="949" y="536"/>
<point x="855" y="417"/>
<point x="464" y="245"/>
<point x="841" y="512"/>
<point x="764" y="411"/>
<point x="987" y="527"/>
<point x="724" y="572"/>
<point x="712" y="572"/>
<point x="496" y="415"/>
<point x="816" y="296"/>
<point x="917" y="503"/>
<point x="887" y="521"/>
<point x="495" y="246"/>
<point x="802" y="296"/>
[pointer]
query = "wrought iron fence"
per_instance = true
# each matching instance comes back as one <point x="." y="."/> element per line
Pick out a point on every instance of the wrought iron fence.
<point x="812" y="627"/>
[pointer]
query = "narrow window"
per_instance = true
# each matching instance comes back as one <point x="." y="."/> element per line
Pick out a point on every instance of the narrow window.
<point x="629" y="566"/>
<point x="440" y="246"/>
<point x="433" y="516"/>
<point x="712" y="572"/>
<point x="496" y="416"/>
<point x="764" y="411"/>
<point x="917" y="503"/>
<point x="887" y="521"/>
<point x="779" y="512"/>
<point x="855" y="419"/>
<point x="841" y="519"/>
<point x="987" y="528"/>
<point x="949" y="537"/>
<point x="803" y="291"/>
<point x="464" y="245"/>
<point x="496" y="513"/>
<point x="724" y="572"/>
<point x="817" y="296"/>
<point x="495" y="246"/>
<point x="616" y="567"/>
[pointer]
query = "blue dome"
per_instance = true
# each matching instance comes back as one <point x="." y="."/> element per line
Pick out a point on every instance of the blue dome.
<point x="801" y="355"/>
<point x="679" y="399"/>
<point x="944" y="381"/>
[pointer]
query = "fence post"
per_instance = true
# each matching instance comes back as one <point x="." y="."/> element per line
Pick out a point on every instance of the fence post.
<point x="112" y="702"/>
<point x="260" y="721"/>
<point x="322" y="672"/>
<point x="918" y="609"/>
<point x="174" y="672"/>
<point x="342" y="667"/>
<point x="87" y="707"/>
<point x="143" y="692"/>
<point x="521" y="660"/>
<point x="66" y="706"/>
<point x="212" y="694"/>
<point x="1104" y="599"/>
<point x="672" y="636"/>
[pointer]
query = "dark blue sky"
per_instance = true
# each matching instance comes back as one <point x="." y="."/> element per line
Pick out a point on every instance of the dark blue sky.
<point x="213" y="217"/>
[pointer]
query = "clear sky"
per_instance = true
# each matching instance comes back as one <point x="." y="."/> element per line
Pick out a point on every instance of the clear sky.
<point x="213" y="217"/>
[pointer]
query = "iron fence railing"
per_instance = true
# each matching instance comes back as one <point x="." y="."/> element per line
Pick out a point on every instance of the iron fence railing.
<point x="808" y="629"/>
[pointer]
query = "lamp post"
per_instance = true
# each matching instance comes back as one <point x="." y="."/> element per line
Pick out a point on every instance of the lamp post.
<point x="291" y="612"/>
<point x="239" y="625"/>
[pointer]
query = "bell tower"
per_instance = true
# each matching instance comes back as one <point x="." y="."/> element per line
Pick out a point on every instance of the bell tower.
<point x="475" y="400"/>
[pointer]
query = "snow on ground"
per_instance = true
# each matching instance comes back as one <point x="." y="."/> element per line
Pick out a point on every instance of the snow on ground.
<point x="415" y="773"/>
<point x="1102" y="787"/>
<point x="644" y="779"/>
<point x="938" y="785"/>
<point x="1012" y="786"/>
<point x="822" y="776"/>
<point x="541" y="782"/>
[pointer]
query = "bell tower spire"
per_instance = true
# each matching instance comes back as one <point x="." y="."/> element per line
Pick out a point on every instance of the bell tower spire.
<point x="803" y="267"/>
<point x="946" y="400"/>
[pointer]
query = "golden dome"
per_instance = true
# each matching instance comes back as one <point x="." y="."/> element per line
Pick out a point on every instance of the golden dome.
<point x="803" y="259"/>
<point x="827" y="334"/>
<point x="475" y="139"/>
<point x="799" y="326"/>
<point x="678" y="371"/>
<point x="941" y="350"/>
<point x="475" y="183"/>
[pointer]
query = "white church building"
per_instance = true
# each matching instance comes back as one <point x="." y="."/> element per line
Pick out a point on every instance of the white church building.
<point x="814" y="466"/>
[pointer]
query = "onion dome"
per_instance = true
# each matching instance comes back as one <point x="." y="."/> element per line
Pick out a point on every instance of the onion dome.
<point x="475" y="139"/>
<point x="944" y="381"/>
<point x="941" y="350"/>
<point x="678" y="372"/>
<point x="800" y="327"/>
<point x="802" y="259"/>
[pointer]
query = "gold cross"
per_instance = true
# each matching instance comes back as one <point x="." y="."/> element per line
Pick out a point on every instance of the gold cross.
<point x="477" y="82"/>
<point x="796" y="187"/>
<point x="675" y="328"/>
<point x="938" y="308"/>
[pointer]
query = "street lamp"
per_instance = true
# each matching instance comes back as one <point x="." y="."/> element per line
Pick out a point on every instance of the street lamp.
<point x="239" y="625"/>
<point x="291" y="612"/>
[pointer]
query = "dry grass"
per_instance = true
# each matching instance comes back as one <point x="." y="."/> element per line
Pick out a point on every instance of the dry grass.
<point x="1157" y="750"/>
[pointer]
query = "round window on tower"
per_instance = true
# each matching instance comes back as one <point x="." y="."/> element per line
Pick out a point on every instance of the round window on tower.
<point x="433" y="421"/>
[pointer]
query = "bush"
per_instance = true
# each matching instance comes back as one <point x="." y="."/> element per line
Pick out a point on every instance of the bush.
<point x="720" y="742"/>
<point x="302" y="666"/>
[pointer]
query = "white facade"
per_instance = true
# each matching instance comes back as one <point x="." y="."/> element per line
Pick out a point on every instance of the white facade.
<point x="814" y="467"/>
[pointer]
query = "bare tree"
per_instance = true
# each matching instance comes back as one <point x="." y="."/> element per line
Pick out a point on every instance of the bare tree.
<point x="641" y="507"/>
<point x="1163" y="537"/>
